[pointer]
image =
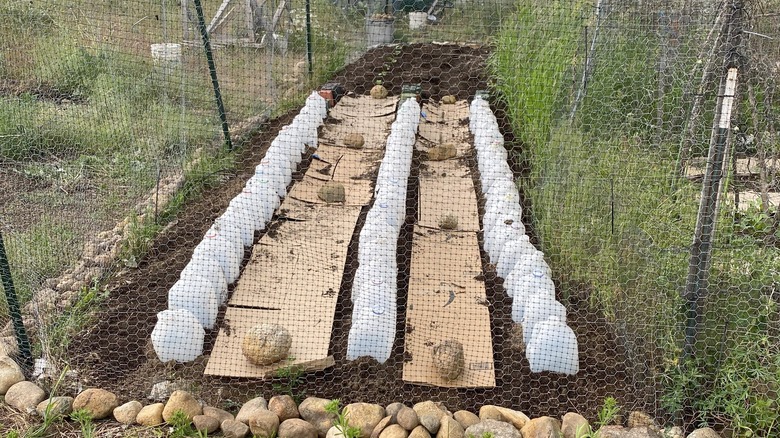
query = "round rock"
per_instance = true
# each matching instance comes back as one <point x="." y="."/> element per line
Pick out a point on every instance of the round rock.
<point x="490" y="412"/>
<point x="10" y="374"/>
<point x="182" y="401"/>
<point x="98" y="402"/>
<point x="450" y="428"/>
<point x="353" y="140"/>
<point x="205" y="423"/>
<point x="515" y="418"/>
<point x="420" y="432"/>
<point x="574" y="423"/>
<point x="234" y="429"/>
<point x="150" y="415"/>
<point x="466" y="418"/>
<point x="449" y="359"/>
<point x="24" y="396"/>
<point x="378" y="92"/>
<point x="332" y="192"/>
<point x="364" y="416"/>
<point x="250" y="408"/>
<point x="429" y="415"/>
<point x="266" y="343"/>
<point x="297" y="428"/>
<point x="127" y="412"/>
<point x="284" y="407"/>
<point x="219" y="414"/>
<point x="381" y="426"/>
<point x="407" y="418"/>
<point x="449" y="99"/>
<point x="393" y="408"/>
<point x="498" y="429"/>
<point x="542" y="427"/>
<point x="443" y="152"/>
<point x="264" y="423"/>
<point x="313" y="411"/>
<point x="60" y="406"/>
<point x="394" y="431"/>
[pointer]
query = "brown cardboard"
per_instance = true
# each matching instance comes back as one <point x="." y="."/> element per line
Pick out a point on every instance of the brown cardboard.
<point x="357" y="192"/>
<point x="363" y="115"/>
<point x="444" y="291"/>
<point x="445" y="124"/>
<point x="342" y="164"/>
<point x="446" y="188"/>
<point x="309" y="329"/>
<point x="302" y="261"/>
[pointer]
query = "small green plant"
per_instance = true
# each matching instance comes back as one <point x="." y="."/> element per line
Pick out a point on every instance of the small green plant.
<point x="341" y="423"/>
<point x="607" y="414"/>
<point x="140" y="235"/>
<point x="84" y="418"/>
<point x="181" y="425"/>
<point x="290" y="376"/>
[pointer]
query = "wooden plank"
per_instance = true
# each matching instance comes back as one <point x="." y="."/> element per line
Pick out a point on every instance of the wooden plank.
<point x="444" y="291"/>
<point x="309" y="329"/>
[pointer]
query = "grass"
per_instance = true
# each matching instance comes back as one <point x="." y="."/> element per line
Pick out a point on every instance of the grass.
<point x="612" y="228"/>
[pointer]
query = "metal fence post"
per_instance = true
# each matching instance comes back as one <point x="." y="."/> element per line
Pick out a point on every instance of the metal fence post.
<point x="14" y="311"/>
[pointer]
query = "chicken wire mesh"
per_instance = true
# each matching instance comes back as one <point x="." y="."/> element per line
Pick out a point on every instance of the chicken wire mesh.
<point x="378" y="243"/>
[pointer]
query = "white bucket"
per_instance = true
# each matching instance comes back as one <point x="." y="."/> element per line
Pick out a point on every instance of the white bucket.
<point x="379" y="32"/>
<point x="417" y="20"/>
<point x="166" y="54"/>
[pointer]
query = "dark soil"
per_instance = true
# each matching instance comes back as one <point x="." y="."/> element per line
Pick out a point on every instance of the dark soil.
<point x="116" y="352"/>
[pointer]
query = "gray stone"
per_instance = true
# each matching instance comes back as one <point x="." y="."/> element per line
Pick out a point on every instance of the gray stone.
<point x="297" y="428"/>
<point x="420" y="432"/>
<point x="394" y="431"/>
<point x="249" y="408"/>
<point x="407" y="418"/>
<point x="205" y="423"/>
<point x="127" y="412"/>
<point x="542" y="427"/>
<point x="393" y="408"/>
<point x="364" y="416"/>
<point x="490" y="412"/>
<point x="182" y="401"/>
<point x="704" y="432"/>
<point x="465" y="418"/>
<point x="219" y="414"/>
<point x="574" y="425"/>
<point x="313" y="410"/>
<point x="450" y="428"/>
<point x="499" y="429"/>
<point x="24" y="396"/>
<point x="161" y="391"/>
<point x="429" y="415"/>
<point x="284" y="407"/>
<point x="234" y="429"/>
<point x="264" y="423"/>
<point x="98" y="402"/>
<point x="265" y="344"/>
<point x="10" y="374"/>
<point x="60" y="406"/>
<point x="150" y="415"/>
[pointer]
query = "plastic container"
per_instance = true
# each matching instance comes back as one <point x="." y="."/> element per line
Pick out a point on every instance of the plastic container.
<point x="372" y="333"/>
<point x="319" y="103"/>
<point x="263" y="196"/>
<point x="266" y="173"/>
<point x="166" y="55"/>
<point x="240" y="223"/>
<point x="527" y="286"/>
<point x="197" y="295"/>
<point x="500" y="208"/>
<point x="178" y="336"/>
<point x="370" y="276"/>
<point x="513" y="251"/>
<point x="207" y="268"/>
<point x="229" y="253"/>
<point x="538" y="308"/>
<point x="379" y="248"/>
<point x="277" y="165"/>
<point x="553" y="348"/>
<point x="417" y="20"/>
<point x="506" y="228"/>
<point x="379" y="32"/>
<point x="526" y="265"/>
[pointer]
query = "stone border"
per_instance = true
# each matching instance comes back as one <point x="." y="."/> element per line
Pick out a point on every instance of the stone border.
<point x="282" y="417"/>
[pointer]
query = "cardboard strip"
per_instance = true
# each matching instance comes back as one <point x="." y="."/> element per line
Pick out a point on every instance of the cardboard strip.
<point x="444" y="290"/>
<point x="309" y="329"/>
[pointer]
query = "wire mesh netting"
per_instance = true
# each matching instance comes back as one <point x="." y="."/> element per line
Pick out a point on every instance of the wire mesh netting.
<point x="535" y="205"/>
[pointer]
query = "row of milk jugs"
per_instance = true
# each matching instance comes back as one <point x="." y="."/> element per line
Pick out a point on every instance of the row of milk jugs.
<point x="194" y="300"/>
<point x="374" y="287"/>
<point x="550" y="343"/>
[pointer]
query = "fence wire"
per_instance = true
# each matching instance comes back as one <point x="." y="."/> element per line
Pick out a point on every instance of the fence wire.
<point x="376" y="244"/>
